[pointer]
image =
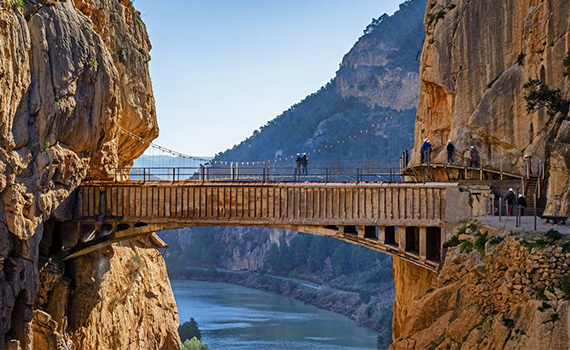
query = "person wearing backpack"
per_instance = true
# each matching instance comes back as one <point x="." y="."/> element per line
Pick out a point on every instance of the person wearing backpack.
<point x="510" y="199"/>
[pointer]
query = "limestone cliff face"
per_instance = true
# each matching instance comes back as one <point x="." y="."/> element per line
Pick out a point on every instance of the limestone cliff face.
<point x="382" y="67"/>
<point x="71" y="74"/>
<point x="477" y="56"/>
<point x="506" y="295"/>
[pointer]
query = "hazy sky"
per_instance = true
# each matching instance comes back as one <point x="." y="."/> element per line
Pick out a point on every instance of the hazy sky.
<point x="222" y="68"/>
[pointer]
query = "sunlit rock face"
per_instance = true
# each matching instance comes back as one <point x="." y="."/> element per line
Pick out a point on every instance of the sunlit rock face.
<point x="477" y="56"/>
<point x="72" y="73"/>
<point x="382" y="67"/>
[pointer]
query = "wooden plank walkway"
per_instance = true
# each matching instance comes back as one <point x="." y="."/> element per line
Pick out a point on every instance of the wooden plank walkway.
<point x="367" y="214"/>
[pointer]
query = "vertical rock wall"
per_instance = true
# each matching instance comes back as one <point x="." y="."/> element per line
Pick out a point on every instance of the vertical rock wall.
<point x="477" y="56"/>
<point x="71" y="74"/>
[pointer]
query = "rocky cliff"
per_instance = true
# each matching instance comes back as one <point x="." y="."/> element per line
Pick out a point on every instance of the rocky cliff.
<point x="72" y="73"/>
<point x="494" y="291"/>
<point x="477" y="57"/>
<point x="476" y="60"/>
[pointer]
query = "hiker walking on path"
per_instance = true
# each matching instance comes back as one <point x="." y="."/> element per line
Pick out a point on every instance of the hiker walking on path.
<point x="510" y="199"/>
<point x="450" y="151"/>
<point x="473" y="157"/>
<point x="528" y="161"/>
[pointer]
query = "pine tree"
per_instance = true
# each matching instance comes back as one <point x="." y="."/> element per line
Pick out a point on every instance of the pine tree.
<point x="189" y="330"/>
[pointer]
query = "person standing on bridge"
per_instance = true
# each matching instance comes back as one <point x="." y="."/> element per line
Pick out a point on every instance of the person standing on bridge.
<point x="426" y="151"/>
<point x="473" y="157"/>
<point x="510" y="199"/>
<point x="450" y="151"/>
<point x="305" y="163"/>
<point x="298" y="165"/>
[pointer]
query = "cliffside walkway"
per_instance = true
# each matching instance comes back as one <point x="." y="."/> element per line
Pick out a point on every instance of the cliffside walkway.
<point x="408" y="220"/>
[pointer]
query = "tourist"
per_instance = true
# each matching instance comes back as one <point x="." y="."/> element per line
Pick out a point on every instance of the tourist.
<point x="305" y="163"/>
<point x="406" y="158"/>
<point x="522" y="204"/>
<point x="298" y="165"/>
<point x="450" y="151"/>
<point x="510" y="199"/>
<point x="473" y="157"/>
<point x="528" y="161"/>
<point x="426" y="151"/>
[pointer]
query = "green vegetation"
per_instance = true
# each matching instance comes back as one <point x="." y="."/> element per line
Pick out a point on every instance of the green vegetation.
<point x="452" y="242"/>
<point x="553" y="235"/>
<point x="47" y="146"/>
<point x="539" y="95"/>
<point x="496" y="240"/>
<point x="93" y="63"/>
<point x="189" y="330"/>
<point x="544" y="306"/>
<point x="553" y="318"/>
<point x="194" y="344"/>
<point x="565" y="286"/>
<point x="540" y="294"/>
<point x="123" y="55"/>
<point x="509" y="323"/>
<point x="520" y="59"/>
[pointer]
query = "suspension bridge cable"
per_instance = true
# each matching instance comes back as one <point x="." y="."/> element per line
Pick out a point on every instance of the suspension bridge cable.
<point x="269" y="161"/>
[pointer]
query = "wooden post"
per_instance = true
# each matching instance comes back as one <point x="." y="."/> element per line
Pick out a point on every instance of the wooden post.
<point x="535" y="211"/>
<point x="500" y="207"/>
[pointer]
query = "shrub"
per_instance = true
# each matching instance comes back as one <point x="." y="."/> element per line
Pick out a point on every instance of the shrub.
<point x="480" y="241"/>
<point x="544" y="306"/>
<point x="466" y="247"/>
<point x="508" y="322"/>
<point x="93" y="63"/>
<point x="194" y="344"/>
<point x="553" y="318"/>
<point x="189" y="330"/>
<point x="452" y="242"/>
<point x="496" y="240"/>
<point x="553" y="235"/>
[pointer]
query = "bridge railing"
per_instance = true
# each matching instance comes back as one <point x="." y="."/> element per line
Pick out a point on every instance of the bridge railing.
<point x="264" y="174"/>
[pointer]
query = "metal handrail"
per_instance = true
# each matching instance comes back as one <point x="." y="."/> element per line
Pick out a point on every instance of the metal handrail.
<point x="264" y="174"/>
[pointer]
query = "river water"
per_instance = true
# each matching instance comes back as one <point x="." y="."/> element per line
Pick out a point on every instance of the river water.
<point x="233" y="317"/>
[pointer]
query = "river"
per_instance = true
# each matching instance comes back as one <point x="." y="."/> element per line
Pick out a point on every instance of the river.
<point x="233" y="317"/>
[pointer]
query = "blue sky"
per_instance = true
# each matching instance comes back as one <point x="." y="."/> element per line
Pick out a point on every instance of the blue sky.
<point x="222" y="68"/>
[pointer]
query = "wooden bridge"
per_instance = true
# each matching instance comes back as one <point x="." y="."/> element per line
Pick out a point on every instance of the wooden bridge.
<point x="408" y="220"/>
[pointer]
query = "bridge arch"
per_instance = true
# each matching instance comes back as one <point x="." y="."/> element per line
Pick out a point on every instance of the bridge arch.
<point x="399" y="219"/>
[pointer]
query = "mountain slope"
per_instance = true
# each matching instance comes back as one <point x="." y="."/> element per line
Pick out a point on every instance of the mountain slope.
<point x="376" y="78"/>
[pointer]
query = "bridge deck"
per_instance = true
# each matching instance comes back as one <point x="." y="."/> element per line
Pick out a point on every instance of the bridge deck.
<point x="255" y="203"/>
<point x="409" y="220"/>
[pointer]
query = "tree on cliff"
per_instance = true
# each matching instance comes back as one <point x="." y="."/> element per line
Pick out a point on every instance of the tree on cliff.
<point x="189" y="330"/>
<point x="194" y="344"/>
<point x="539" y="95"/>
